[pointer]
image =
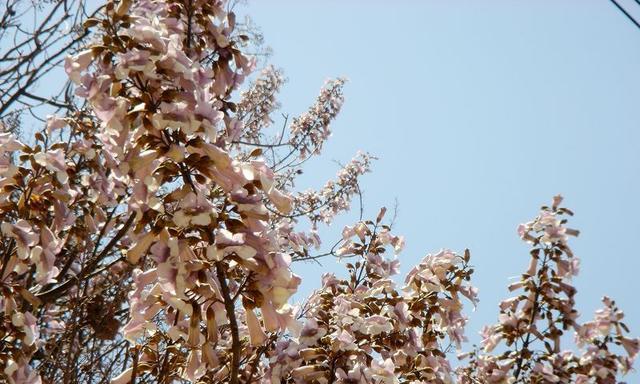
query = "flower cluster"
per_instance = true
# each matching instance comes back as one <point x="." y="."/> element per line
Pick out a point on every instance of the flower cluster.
<point x="366" y="329"/>
<point x="148" y="236"/>
<point x="259" y="102"/>
<point x="203" y="242"/>
<point x="310" y="130"/>
<point x="145" y="208"/>
<point x="336" y="195"/>
<point x="532" y="324"/>
<point x="145" y="186"/>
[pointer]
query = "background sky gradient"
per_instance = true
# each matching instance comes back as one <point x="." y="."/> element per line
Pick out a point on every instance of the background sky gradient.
<point x="479" y="113"/>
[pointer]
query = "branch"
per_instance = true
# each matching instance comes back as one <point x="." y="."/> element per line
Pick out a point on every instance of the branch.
<point x="532" y="319"/>
<point x="46" y="101"/>
<point x="233" y="323"/>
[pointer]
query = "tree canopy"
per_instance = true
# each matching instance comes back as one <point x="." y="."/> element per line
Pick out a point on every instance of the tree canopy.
<point x="152" y="226"/>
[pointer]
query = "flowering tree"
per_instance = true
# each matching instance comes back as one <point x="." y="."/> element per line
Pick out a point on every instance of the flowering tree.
<point x="151" y="228"/>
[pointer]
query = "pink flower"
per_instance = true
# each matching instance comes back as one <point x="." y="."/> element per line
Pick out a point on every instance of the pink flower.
<point x="24" y="235"/>
<point x="54" y="123"/>
<point x="44" y="257"/>
<point x="8" y="142"/>
<point x="546" y="372"/>
<point x="256" y="333"/>
<point x="27" y="322"/>
<point x="384" y="371"/>
<point x="74" y="65"/>
<point x="345" y="340"/>
<point x="490" y="338"/>
<point x="54" y="161"/>
<point x="632" y="346"/>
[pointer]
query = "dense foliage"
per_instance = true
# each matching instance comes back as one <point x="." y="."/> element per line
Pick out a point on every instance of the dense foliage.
<point x="150" y="232"/>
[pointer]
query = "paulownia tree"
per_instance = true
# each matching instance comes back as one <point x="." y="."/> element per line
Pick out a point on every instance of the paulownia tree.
<point x="150" y="231"/>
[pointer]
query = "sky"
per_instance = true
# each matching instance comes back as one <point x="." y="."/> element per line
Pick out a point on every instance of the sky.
<point x="479" y="113"/>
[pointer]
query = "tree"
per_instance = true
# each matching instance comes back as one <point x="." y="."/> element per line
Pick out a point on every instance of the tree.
<point x="150" y="233"/>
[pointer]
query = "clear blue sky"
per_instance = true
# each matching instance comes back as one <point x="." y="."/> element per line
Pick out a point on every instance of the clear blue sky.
<point x="479" y="112"/>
